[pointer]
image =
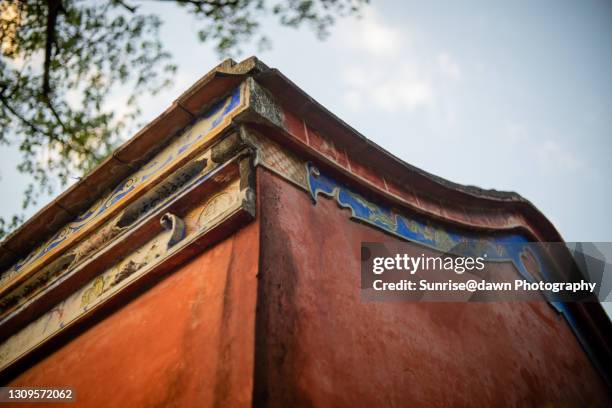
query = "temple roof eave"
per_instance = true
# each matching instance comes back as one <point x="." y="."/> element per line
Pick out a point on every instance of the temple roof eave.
<point x="215" y="84"/>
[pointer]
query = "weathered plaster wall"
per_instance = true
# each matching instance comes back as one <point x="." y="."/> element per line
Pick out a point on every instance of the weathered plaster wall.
<point x="276" y="319"/>
<point x="318" y="344"/>
<point x="187" y="341"/>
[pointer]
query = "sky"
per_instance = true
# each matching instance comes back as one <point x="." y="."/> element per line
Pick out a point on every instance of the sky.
<point x="513" y="95"/>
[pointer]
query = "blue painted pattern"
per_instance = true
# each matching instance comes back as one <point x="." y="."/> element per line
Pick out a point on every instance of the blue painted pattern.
<point x="213" y="117"/>
<point x="498" y="246"/>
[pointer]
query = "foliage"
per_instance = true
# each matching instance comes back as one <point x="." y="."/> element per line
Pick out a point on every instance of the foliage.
<point x="61" y="60"/>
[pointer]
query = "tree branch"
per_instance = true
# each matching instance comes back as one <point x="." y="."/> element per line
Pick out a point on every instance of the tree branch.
<point x="47" y="102"/>
<point x="54" y="8"/>
<point x="131" y="9"/>
<point x="50" y="135"/>
<point x="200" y="4"/>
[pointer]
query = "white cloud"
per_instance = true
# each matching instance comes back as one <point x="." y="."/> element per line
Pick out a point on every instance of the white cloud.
<point x="371" y="35"/>
<point x="553" y="156"/>
<point x="448" y="66"/>
<point x="387" y="71"/>
<point x="548" y="155"/>
<point x="370" y="84"/>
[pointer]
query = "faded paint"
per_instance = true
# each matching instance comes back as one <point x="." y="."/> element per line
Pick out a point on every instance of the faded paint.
<point x="273" y="316"/>
<point x="318" y="344"/>
<point x="187" y="341"/>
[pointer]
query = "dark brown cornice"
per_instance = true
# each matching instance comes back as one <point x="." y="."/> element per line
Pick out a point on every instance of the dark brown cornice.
<point x="392" y="168"/>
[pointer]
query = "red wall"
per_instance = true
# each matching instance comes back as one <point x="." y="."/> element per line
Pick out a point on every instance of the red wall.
<point x="186" y="342"/>
<point x="318" y="344"/>
<point x="195" y="339"/>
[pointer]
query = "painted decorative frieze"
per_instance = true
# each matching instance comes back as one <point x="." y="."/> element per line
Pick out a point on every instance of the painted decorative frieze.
<point x="499" y="247"/>
<point x="181" y="148"/>
<point x="221" y="200"/>
<point x="278" y="159"/>
<point x="200" y="187"/>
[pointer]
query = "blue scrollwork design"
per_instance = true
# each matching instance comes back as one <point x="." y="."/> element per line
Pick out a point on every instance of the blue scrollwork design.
<point x="218" y="111"/>
<point x="498" y="247"/>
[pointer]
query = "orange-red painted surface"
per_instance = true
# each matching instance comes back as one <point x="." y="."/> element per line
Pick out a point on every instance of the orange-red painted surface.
<point x="319" y="345"/>
<point x="272" y="316"/>
<point x="186" y="342"/>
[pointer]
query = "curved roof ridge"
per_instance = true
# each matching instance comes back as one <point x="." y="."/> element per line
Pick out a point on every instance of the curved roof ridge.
<point x="213" y="85"/>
